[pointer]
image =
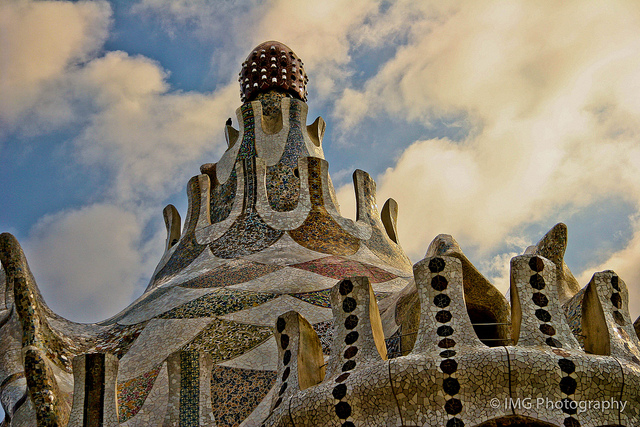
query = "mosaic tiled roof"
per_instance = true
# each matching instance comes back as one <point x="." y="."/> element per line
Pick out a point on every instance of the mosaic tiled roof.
<point x="268" y="307"/>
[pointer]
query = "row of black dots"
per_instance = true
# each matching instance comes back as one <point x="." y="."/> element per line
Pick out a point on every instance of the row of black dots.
<point x="568" y="384"/>
<point x="286" y="358"/>
<point x="616" y="300"/>
<point x="448" y="365"/>
<point x="339" y="392"/>
<point x="540" y="299"/>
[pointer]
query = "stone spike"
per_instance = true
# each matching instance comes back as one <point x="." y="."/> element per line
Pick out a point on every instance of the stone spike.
<point x="485" y="303"/>
<point x="389" y="217"/>
<point x="172" y="221"/>
<point x="606" y="323"/>
<point x="444" y="323"/>
<point x="204" y="216"/>
<point x="300" y="359"/>
<point x="94" y="390"/>
<point x="553" y="246"/>
<point x="194" y="201"/>
<point x="231" y="135"/>
<point x="316" y="131"/>
<point x="366" y="205"/>
<point x="357" y="329"/>
<point x="537" y="318"/>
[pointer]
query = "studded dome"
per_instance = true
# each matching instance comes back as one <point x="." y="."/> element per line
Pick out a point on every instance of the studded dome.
<point x="272" y="65"/>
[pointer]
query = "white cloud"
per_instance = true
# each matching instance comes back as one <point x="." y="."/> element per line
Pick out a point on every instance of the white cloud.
<point x="626" y="263"/>
<point x="89" y="262"/>
<point x="40" y="42"/>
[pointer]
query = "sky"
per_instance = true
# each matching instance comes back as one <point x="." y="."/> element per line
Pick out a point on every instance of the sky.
<point x="491" y="121"/>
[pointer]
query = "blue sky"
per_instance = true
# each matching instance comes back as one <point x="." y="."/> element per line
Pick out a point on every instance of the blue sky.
<point x="489" y="121"/>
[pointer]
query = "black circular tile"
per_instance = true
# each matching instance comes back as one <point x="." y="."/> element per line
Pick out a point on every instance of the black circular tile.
<point x="349" y="365"/>
<point x="571" y="422"/>
<point x="351" y="321"/>
<point x="350" y="352"/>
<point x="455" y="422"/>
<point x="552" y="342"/>
<point x="436" y="265"/>
<point x="343" y="410"/>
<point x="339" y="391"/>
<point x="447" y="353"/>
<point x="343" y="377"/>
<point x="280" y="324"/>
<point x="453" y="406"/>
<point x="536" y="264"/>
<point x="619" y="318"/>
<point x="286" y="373"/>
<point x="547" y="329"/>
<point x="567" y="366"/>
<point x="449" y="366"/>
<point x="351" y="337"/>
<point x="451" y="386"/>
<point x="540" y="299"/>
<point x="537" y="282"/>
<point x="346" y="287"/>
<point x="616" y="300"/>
<point x="446" y="343"/>
<point x="349" y="304"/>
<point x="283" y="388"/>
<point x="614" y="283"/>
<point x="284" y="341"/>
<point x="441" y="300"/>
<point x="439" y="283"/>
<point x="286" y="357"/>
<point x="568" y="406"/>
<point x="445" y="331"/>
<point x="443" y="316"/>
<point x="543" y="315"/>
<point x="568" y="385"/>
<point x="348" y="424"/>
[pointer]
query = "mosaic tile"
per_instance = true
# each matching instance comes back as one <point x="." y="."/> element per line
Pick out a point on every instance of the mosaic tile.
<point x="133" y="393"/>
<point x="219" y="302"/>
<point x="236" y="392"/>
<point x="338" y="268"/>
<point x="234" y="272"/>
<point x="265" y="314"/>
<point x="225" y="339"/>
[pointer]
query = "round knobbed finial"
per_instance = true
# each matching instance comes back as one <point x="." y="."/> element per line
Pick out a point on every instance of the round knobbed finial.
<point x="272" y="65"/>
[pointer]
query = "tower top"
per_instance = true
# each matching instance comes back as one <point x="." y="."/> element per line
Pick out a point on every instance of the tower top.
<point x="272" y="65"/>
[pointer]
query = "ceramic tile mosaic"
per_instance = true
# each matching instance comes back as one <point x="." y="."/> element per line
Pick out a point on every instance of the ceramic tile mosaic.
<point x="338" y="268"/>
<point x="234" y="272"/>
<point x="236" y="392"/>
<point x="133" y="393"/>
<point x="224" y="339"/>
<point x="219" y="302"/>
<point x="243" y="323"/>
<point x="266" y="313"/>
<point x="262" y="357"/>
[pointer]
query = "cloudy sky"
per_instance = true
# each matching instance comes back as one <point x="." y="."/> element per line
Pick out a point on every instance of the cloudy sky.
<point x="489" y="121"/>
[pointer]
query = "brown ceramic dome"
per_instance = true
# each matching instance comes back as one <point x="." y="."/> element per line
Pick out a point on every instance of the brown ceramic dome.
<point x="272" y="65"/>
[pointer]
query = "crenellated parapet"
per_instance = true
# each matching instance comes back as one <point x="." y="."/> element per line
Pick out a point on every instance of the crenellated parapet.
<point x="451" y="378"/>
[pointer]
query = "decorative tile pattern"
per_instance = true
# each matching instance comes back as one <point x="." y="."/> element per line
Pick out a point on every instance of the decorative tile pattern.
<point x="320" y="232"/>
<point x="219" y="302"/>
<point x="236" y="392"/>
<point x="222" y="197"/>
<point x="338" y="268"/>
<point x="132" y="393"/>
<point x="234" y="272"/>
<point x="224" y="340"/>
